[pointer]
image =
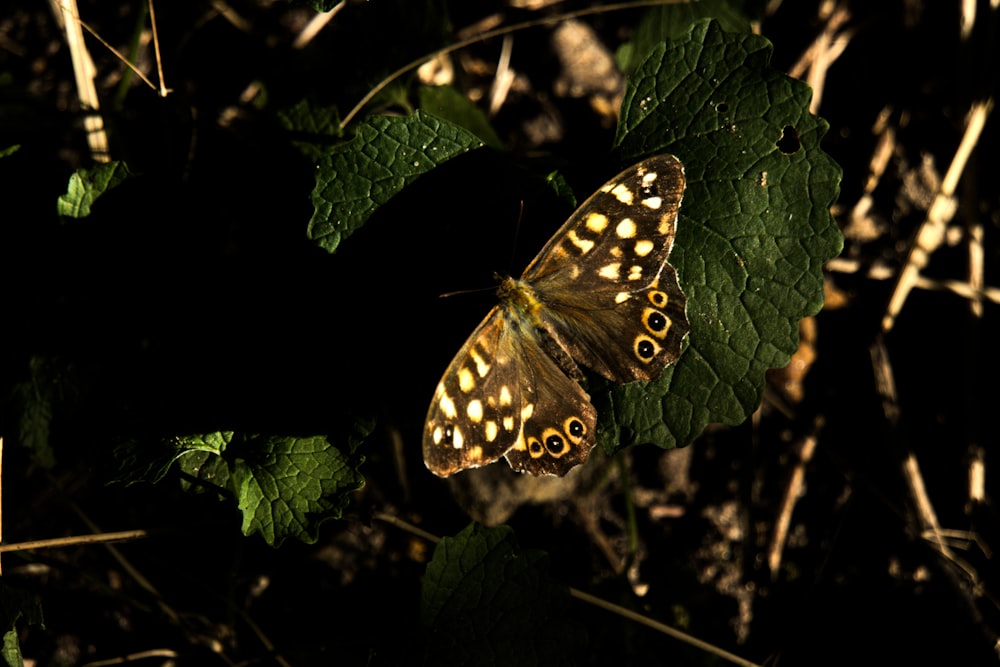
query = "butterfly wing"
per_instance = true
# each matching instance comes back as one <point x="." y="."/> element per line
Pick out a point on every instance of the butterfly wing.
<point x="608" y="294"/>
<point x="503" y="395"/>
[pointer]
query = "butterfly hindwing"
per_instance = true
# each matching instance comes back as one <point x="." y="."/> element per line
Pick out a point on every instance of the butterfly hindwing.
<point x="601" y="293"/>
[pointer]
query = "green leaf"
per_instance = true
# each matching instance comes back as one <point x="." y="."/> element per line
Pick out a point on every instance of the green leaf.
<point x="670" y="22"/>
<point x="150" y="462"/>
<point x="558" y="183"/>
<point x="285" y="486"/>
<point x="448" y="104"/>
<point x="9" y="150"/>
<point x="487" y="602"/>
<point x="86" y="185"/>
<point x="753" y="234"/>
<point x="16" y="604"/>
<point x="385" y="156"/>
<point x="52" y="385"/>
<point x="316" y="127"/>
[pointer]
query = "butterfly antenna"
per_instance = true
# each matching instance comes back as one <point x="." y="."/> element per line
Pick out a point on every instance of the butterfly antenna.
<point x="517" y="231"/>
<point x="466" y="291"/>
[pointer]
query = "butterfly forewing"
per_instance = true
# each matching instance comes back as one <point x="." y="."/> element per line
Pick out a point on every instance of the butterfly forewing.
<point x="600" y="293"/>
<point x="503" y="395"/>
<point x="475" y="415"/>
<point x="609" y="295"/>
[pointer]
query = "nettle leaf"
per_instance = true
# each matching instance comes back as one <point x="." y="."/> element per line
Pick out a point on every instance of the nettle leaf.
<point x="385" y="156"/>
<point x="486" y="601"/>
<point x="87" y="185"/>
<point x="285" y="486"/>
<point x="753" y="233"/>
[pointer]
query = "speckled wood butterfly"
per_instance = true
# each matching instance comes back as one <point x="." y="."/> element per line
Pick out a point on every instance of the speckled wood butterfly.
<point x="601" y="293"/>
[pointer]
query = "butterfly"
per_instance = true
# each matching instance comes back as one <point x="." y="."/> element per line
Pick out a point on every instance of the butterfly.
<point x="600" y="293"/>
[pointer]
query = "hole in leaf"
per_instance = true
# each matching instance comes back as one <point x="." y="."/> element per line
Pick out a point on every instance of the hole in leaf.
<point x="789" y="141"/>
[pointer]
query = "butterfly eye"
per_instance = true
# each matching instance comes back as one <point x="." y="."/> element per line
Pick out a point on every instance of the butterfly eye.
<point x="556" y="446"/>
<point x="656" y="321"/>
<point x="575" y="429"/>
<point x="645" y="348"/>
<point x="657" y="298"/>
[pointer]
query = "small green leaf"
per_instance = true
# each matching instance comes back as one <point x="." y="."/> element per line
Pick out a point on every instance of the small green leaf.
<point x="150" y="462"/>
<point x="15" y="605"/>
<point x="558" y="183"/>
<point x="87" y="185"/>
<point x="670" y="22"/>
<point x="51" y="385"/>
<point x="753" y="233"/>
<point x="316" y="128"/>
<point x="448" y="104"/>
<point x="385" y="156"/>
<point x="486" y="601"/>
<point x="285" y="486"/>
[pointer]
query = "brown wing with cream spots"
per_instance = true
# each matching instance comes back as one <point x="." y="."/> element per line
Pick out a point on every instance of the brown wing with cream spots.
<point x="606" y="290"/>
<point x="503" y="395"/>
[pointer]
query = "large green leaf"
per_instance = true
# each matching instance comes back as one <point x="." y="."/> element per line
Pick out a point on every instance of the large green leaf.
<point x="385" y="156"/>
<point x="488" y="602"/>
<point x="753" y="234"/>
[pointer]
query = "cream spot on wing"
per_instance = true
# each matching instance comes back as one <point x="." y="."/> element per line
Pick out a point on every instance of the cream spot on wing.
<point x="505" y="397"/>
<point x="584" y="245"/>
<point x="436" y="435"/>
<point x="622" y="297"/>
<point x="475" y="410"/>
<point x="490" y="430"/>
<point x="457" y="439"/>
<point x="508" y="423"/>
<point x="666" y="226"/>
<point x="527" y="411"/>
<point x="482" y="365"/>
<point x="635" y="272"/>
<point x="625" y="228"/>
<point x="574" y="271"/>
<point x="616" y="252"/>
<point x="622" y="194"/>
<point x="610" y="271"/>
<point x="643" y="248"/>
<point x="447" y="407"/>
<point x="466" y="380"/>
<point x="597" y="222"/>
<point x="653" y="202"/>
<point x="648" y="178"/>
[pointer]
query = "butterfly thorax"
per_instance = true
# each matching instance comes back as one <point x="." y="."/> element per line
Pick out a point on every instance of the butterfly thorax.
<point x="519" y="295"/>
<point x="522" y="307"/>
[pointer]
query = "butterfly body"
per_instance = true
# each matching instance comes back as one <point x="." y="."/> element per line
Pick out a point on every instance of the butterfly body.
<point x="602" y="294"/>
